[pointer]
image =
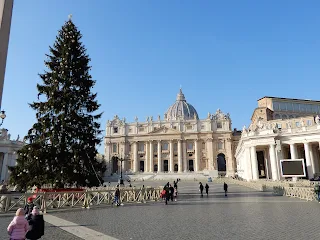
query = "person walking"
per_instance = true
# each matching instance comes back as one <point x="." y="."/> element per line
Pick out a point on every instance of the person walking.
<point x="207" y="189"/>
<point x="28" y="207"/>
<point x="36" y="223"/>
<point x="19" y="226"/>
<point x="201" y="189"/>
<point x="171" y="192"/>
<point x="167" y="194"/>
<point x="225" y="188"/>
<point x="175" y="194"/>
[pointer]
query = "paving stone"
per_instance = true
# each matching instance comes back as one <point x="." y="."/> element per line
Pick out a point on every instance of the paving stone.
<point x="244" y="214"/>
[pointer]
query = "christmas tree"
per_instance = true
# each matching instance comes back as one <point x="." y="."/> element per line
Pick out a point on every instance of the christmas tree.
<point x="61" y="145"/>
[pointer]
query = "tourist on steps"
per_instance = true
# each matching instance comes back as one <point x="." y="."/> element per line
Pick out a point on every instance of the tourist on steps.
<point x="19" y="226"/>
<point x="201" y="189"/>
<point x="207" y="189"/>
<point x="36" y="224"/>
<point x="225" y="188"/>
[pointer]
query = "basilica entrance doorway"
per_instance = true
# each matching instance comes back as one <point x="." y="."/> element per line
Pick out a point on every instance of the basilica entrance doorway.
<point x="176" y="167"/>
<point x="165" y="165"/>
<point x="141" y="166"/>
<point x="155" y="168"/>
<point x="191" y="168"/>
<point x="221" y="161"/>
<point x="261" y="164"/>
<point x="114" y="164"/>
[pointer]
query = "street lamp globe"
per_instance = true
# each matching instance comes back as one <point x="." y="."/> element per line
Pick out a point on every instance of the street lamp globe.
<point x="2" y="116"/>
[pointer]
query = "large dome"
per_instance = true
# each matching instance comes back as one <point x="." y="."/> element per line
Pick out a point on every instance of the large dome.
<point x="181" y="109"/>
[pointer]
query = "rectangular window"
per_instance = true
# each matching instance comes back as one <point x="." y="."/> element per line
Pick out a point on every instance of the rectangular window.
<point x="279" y="125"/>
<point x="296" y="107"/>
<point x="141" y="129"/>
<point x="220" y="145"/>
<point x="315" y="108"/>
<point x="289" y="107"/>
<point x="219" y="125"/>
<point x="189" y="127"/>
<point x="141" y="147"/>
<point x="114" y="148"/>
<point x="297" y="124"/>
<point x="302" y="107"/>
<point x="175" y="147"/>
<point x="190" y="146"/>
<point x="155" y="147"/>
<point x="202" y="127"/>
<point x="309" y="108"/>
<point x="165" y="146"/>
<point x="115" y="130"/>
<point x="174" y="127"/>
<point x="309" y="122"/>
<point x="130" y="130"/>
<point x="276" y="106"/>
<point x="283" y="106"/>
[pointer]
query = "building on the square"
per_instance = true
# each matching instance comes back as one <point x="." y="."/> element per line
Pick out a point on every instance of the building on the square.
<point x="8" y="153"/>
<point x="180" y="142"/>
<point x="281" y="128"/>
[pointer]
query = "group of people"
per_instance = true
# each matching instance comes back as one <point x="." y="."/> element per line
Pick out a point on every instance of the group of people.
<point x="170" y="192"/>
<point x="28" y="223"/>
<point x="201" y="188"/>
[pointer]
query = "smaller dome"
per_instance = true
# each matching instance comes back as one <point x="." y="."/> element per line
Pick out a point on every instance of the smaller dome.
<point x="181" y="109"/>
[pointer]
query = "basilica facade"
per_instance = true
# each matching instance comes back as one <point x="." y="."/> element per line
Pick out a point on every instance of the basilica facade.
<point x="180" y="142"/>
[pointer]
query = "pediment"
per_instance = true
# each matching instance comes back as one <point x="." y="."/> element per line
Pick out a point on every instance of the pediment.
<point x="165" y="130"/>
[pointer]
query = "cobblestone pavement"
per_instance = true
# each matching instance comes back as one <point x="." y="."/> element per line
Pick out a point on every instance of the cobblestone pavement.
<point x="244" y="214"/>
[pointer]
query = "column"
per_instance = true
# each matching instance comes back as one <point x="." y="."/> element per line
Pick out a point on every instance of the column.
<point x="4" y="169"/>
<point x="312" y="157"/>
<point x="159" y="157"/>
<point x="308" y="160"/>
<point x="135" y="157"/>
<point x="293" y="151"/>
<point x="146" y="160"/>
<point x="171" y="164"/>
<point x="184" y="155"/>
<point x="151" y="157"/>
<point x="197" y="155"/>
<point x="247" y="164"/>
<point x="210" y="153"/>
<point x="179" y="155"/>
<point x="6" y="7"/>
<point x="254" y="163"/>
<point x="229" y="159"/>
<point x="273" y="162"/>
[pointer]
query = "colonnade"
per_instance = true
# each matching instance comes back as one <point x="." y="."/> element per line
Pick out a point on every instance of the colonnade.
<point x="251" y="161"/>
<point x="178" y="159"/>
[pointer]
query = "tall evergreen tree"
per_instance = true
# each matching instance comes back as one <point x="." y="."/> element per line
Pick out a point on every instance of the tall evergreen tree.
<point x="61" y="145"/>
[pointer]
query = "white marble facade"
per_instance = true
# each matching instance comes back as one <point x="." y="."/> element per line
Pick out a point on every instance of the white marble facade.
<point x="180" y="142"/>
<point x="264" y="144"/>
<point x="8" y="153"/>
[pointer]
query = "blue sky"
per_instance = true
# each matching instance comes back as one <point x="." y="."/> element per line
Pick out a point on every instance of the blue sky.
<point x="225" y="54"/>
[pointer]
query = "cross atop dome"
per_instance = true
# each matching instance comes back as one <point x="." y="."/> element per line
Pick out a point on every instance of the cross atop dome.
<point x="180" y="96"/>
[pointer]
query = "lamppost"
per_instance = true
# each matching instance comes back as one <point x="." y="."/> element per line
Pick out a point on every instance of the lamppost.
<point x="2" y="116"/>
<point x="126" y="156"/>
